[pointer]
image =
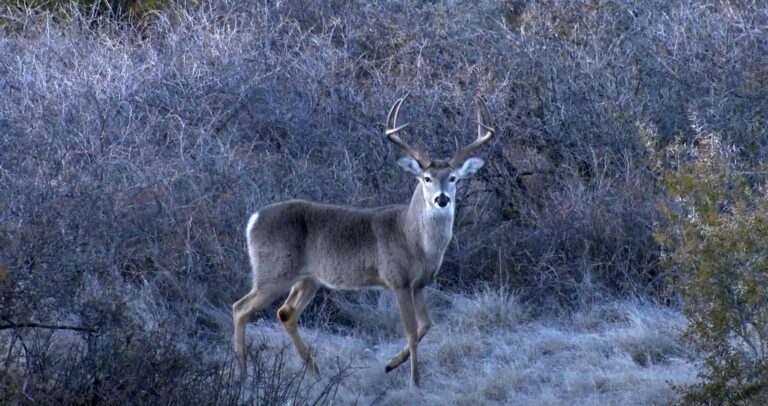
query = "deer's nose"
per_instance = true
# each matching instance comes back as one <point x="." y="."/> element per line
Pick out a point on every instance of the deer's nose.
<point x="442" y="200"/>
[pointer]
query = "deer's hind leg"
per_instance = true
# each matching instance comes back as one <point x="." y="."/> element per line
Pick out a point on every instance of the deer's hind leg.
<point x="254" y="301"/>
<point x="301" y="294"/>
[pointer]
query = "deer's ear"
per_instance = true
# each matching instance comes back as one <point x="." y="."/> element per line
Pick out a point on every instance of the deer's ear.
<point x="469" y="167"/>
<point x="410" y="165"/>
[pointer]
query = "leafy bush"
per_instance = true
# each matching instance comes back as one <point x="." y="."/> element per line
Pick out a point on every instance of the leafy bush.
<point x="715" y="235"/>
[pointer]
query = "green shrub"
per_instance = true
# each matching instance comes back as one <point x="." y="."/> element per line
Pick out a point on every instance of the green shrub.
<point x="715" y="237"/>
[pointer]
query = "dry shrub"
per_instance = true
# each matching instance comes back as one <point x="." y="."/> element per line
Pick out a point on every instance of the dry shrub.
<point x="135" y="367"/>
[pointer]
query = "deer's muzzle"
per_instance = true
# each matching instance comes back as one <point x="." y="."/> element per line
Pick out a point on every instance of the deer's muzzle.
<point x="442" y="200"/>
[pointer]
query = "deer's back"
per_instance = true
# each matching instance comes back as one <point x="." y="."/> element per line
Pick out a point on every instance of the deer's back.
<point x="336" y="245"/>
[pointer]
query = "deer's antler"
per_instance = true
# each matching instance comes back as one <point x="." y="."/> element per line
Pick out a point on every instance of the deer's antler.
<point x="393" y="129"/>
<point x="485" y="132"/>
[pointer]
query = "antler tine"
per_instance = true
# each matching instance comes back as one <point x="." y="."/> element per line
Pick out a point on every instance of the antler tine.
<point x="392" y="130"/>
<point x="484" y="119"/>
<point x="485" y="132"/>
<point x="392" y="117"/>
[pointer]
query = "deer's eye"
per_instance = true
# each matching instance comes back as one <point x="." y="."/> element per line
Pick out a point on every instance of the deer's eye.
<point x="427" y="179"/>
<point x="452" y="178"/>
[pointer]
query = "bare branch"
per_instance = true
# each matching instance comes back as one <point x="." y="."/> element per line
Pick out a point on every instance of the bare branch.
<point x="10" y="326"/>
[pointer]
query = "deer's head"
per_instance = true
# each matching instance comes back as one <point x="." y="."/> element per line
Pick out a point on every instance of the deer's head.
<point x="438" y="177"/>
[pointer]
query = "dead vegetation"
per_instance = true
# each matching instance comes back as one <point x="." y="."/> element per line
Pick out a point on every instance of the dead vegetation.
<point x="131" y="155"/>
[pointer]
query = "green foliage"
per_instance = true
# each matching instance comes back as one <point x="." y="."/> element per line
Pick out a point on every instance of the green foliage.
<point x="715" y="239"/>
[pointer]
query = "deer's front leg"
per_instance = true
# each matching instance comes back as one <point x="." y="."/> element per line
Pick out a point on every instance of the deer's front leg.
<point x="405" y="303"/>
<point x="424" y="324"/>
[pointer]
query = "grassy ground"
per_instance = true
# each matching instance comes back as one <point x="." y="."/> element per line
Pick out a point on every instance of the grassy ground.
<point x="485" y="350"/>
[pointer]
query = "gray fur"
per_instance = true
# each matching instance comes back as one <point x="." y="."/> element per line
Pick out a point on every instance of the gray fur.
<point x="298" y="246"/>
<point x="347" y="247"/>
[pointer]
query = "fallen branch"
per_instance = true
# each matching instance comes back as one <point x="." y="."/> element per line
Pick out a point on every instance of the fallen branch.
<point x="46" y="326"/>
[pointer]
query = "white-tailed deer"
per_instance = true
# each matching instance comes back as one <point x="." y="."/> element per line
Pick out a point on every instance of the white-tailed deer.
<point x="299" y="246"/>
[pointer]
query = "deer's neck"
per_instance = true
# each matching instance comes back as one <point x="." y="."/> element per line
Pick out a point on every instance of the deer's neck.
<point x="431" y="229"/>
